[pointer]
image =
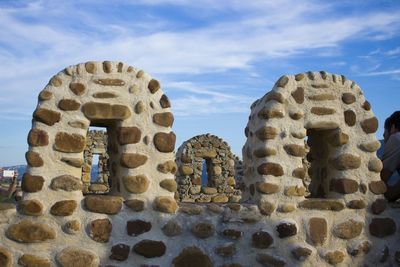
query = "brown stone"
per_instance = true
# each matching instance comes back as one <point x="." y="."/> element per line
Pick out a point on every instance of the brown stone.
<point x="77" y="257"/>
<point x="77" y="88"/>
<point x="45" y="95"/>
<point x="375" y="165"/>
<point x="295" y="150"/>
<point x="219" y="199"/>
<point x="190" y="209"/>
<point x="296" y="115"/>
<point x="29" y="260"/>
<point x="350" y="117"/>
<point x="356" y="204"/>
<point x="139" y="107"/>
<point x="261" y="239"/>
<point x="205" y="153"/>
<point x="47" y="116"/>
<point x="363" y="188"/>
<point x="322" y="204"/>
<point x="185" y="170"/>
<point x="27" y="231"/>
<point x="69" y="143"/>
<point x="378" y="206"/>
<point x="55" y="81"/>
<point x="66" y="182"/>
<point x="344" y="186"/>
<point x="31" y="207"/>
<point x="38" y="137"/>
<point x="103" y="204"/>
<point x="128" y="135"/>
<point x="150" y="248"/>
<point x="120" y="252"/>
<point x="322" y="97"/>
<point x="225" y="250"/>
<point x="103" y="111"/>
<point x="269" y="260"/>
<point x="109" y="82"/>
<point x="338" y="138"/>
<point x="164" y="102"/>
<point x="105" y="95"/>
<point x="297" y="191"/>
<point x="301" y="253"/>
<point x="334" y="257"/>
<point x="322" y="111"/>
<point x="64" y="208"/>
<point x="266" y="133"/>
<point x="193" y="257"/>
<point x="270" y="168"/>
<point x="137" y="227"/>
<point x="384" y="255"/>
<point x="136" y="184"/>
<point x="5" y="258"/>
<point x="72" y="227"/>
<point x="135" y="204"/>
<point x="266" y="207"/>
<point x="267" y="188"/>
<point x="318" y="230"/>
<point x="282" y="81"/>
<point x="165" y="142"/>
<point x="268" y="113"/>
<point x="232" y="234"/>
<point x="165" y="204"/>
<point x="169" y="184"/>
<point x="348" y="98"/>
<point x="298" y="95"/>
<point x="172" y="228"/>
<point x="299" y="77"/>
<point x="377" y="187"/>
<point x="299" y="173"/>
<point x="31" y="183"/>
<point x="165" y="119"/>
<point x="68" y="104"/>
<point x="203" y="230"/>
<point x="167" y="167"/>
<point x="132" y="160"/>
<point x="366" y="106"/>
<point x="100" y="230"/>
<point x="153" y="86"/>
<point x="382" y="227"/>
<point x="33" y="159"/>
<point x="287" y="207"/>
<point x="286" y="229"/>
<point x="361" y="247"/>
<point x="348" y="229"/>
<point x="346" y="162"/>
<point x="370" y="146"/>
<point x="272" y="95"/>
<point x="370" y="125"/>
<point x="209" y="190"/>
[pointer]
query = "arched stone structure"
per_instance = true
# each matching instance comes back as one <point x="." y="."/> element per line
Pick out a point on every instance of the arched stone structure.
<point x="220" y="164"/>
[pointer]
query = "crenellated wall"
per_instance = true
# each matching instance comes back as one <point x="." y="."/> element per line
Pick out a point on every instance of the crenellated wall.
<point x="343" y="221"/>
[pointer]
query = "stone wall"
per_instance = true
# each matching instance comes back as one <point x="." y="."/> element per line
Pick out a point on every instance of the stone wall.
<point x="344" y="222"/>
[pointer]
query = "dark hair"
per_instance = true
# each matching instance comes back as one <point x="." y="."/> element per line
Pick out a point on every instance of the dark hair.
<point x="394" y="119"/>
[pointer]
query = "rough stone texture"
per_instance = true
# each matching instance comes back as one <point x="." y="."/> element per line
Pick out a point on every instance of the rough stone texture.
<point x="266" y="207"/>
<point x="203" y="230"/>
<point x="5" y="258"/>
<point x="34" y="159"/>
<point x="322" y="111"/>
<point x="31" y="207"/>
<point x="348" y="229"/>
<point x="169" y="185"/>
<point x="360" y="247"/>
<point x="346" y="162"/>
<point x="164" y="102"/>
<point x="267" y="188"/>
<point x="266" y="133"/>
<point x="338" y="138"/>
<point x="301" y="253"/>
<point x="102" y="111"/>
<point x="45" y="95"/>
<point x="261" y="239"/>
<point x="270" y="168"/>
<point x="348" y="98"/>
<point x="318" y="230"/>
<point x="370" y="146"/>
<point x="135" y="204"/>
<point x="64" y="208"/>
<point x="167" y="167"/>
<point x="165" y="204"/>
<point x="192" y="256"/>
<point x="322" y="204"/>
<point x="100" y="230"/>
<point x="133" y="160"/>
<point x="120" y="252"/>
<point x="226" y="250"/>
<point x="344" y="186"/>
<point x="334" y="257"/>
<point x="47" y="116"/>
<point x="350" y="117"/>
<point x="296" y="191"/>
<point x="377" y="187"/>
<point x="378" y="206"/>
<point x="264" y="152"/>
<point x="69" y="143"/>
<point x="129" y="135"/>
<point x="286" y="229"/>
<point x="150" y="248"/>
<point x="269" y="260"/>
<point x="172" y="228"/>
<point x="370" y="125"/>
<point x="72" y="227"/>
<point x="232" y="234"/>
<point x="153" y="86"/>
<point x="103" y="204"/>
<point x="137" y="227"/>
<point x="295" y="150"/>
<point x="32" y="183"/>
<point x="375" y="165"/>
<point x="356" y="204"/>
<point x="66" y="182"/>
<point x="29" y="260"/>
<point x="38" y="137"/>
<point x="27" y="231"/>
<point x="165" y="142"/>
<point x="77" y="88"/>
<point x="69" y="105"/>
<point x="77" y="257"/>
<point x="382" y="227"/>
<point x="136" y="184"/>
<point x="165" y="119"/>
<point x="298" y="95"/>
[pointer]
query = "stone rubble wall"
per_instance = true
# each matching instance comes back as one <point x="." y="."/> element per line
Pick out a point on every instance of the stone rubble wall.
<point x="140" y="224"/>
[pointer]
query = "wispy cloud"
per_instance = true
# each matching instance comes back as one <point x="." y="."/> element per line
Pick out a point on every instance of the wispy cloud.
<point x="385" y="72"/>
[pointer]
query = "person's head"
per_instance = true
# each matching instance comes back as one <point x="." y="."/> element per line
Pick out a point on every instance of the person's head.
<point x="392" y="125"/>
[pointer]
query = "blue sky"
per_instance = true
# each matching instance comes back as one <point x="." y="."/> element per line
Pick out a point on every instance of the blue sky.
<point x="213" y="58"/>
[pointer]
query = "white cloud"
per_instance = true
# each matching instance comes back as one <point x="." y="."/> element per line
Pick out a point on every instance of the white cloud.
<point x="393" y="52"/>
<point x="385" y="72"/>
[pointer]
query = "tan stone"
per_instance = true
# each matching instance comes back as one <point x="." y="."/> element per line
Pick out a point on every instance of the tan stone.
<point x="72" y="227"/>
<point x="105" y="95"/>
<point x="169" y="184"/>
<point x="370" y="146"/>
<point x="205" y="153"/>
<point x="29" y="260"/>
<point x="270" y="168"/>
<point x="165" y="204"/>
<point x="216" y="170"/>
<point x="282" y="82"/>
<point x="375" y="165"/>
<point x="209" y="190"/>
<point x="38" y="137"/>
<point x="356" y="204"/>
<point x="103" y="204"/>
<point x="264" y="152"/>
<point x="164" y="142"/>
<point x="109" y="82"/>
<point x="6" y="259"/>
<point x="77" y="88"/>
<point x="139" y="107"/>
<point x="266" y="207"/>
<point x="361" y="247"/>
<point x="275" y="96"/>
<point x="100" y="230"/>
<point x="348" y="229"/>
<point x="350" y="117"/>
<point x="321" y="111"/>
<point x="68" y="105"/>
<point x="268" y="113"/>
<point x="266" y="133"/>
<point x="77" y="257"/>
<point x="32" y="183"/>
<point x="346" y="162"/>
<point x="128" y="135"/>
<point x="164" y="102"/>
<point x="299" y="135"/>
<point x="185" y="170"/>
<point x="297" y="191"/>
<point x="338" y="139"/>
<point x="78" y="124"/>
<point x="287" y="207"/>
<point x="132" y="160"/>
<point x="299" y="173"/>
<point x="47" y="116"/>
<point x="55" y="81"/>
<point x="27" y="231"/>
<point x="135" y="204"/>
<point x="322" y="204"/>
<point x="45" y="95"/>
<point x="66" y="182"/>
<point x="301" y="253"/>
<point x="267" y="188"/>
<point x="298" y="95"/>
<point x="103" y="111"/>
<point x="64" y="208"/>
<point x="167" y="167"/>
<point x="318" y="230"/>
<point x="344" y="186"/>
<point x="34" y="159"/>
<point x="348" y="98"/>
<point x="317" y="124"/>
<point x="370" y="125"/>
<point x="192" y="256"/>
<point x="296" y="115"/>
<point x="295" y="150"/>
<point x="322" y="97"/>
<point x="377" y="187"/>
<point x="136" y="184"/>
<point x="69" y="143"/>
<point x="165" y="119"/>
<point x="32" y="207"/>
<point x="334" y="257"/>
<point x="219" y="199"/>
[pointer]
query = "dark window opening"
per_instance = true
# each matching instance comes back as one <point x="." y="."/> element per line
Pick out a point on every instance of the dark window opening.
<point x="205" y="174"/>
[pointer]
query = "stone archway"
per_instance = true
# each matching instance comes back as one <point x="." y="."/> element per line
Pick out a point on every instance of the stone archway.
<point x="214" y="154"/>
